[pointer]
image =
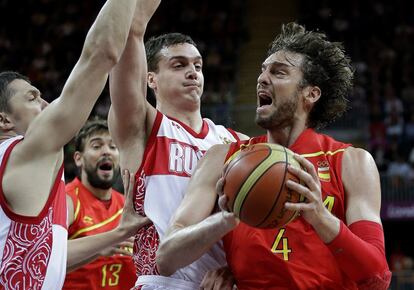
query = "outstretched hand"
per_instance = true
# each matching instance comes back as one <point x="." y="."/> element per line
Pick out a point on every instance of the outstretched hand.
<point x="130" y="220"/>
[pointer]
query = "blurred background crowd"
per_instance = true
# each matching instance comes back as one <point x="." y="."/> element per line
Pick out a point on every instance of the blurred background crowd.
<point x="43" y="38"/>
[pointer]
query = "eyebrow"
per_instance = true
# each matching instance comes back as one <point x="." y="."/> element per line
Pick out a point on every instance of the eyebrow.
<point x="34" y="91"/>
<point x="276" y="63"/>
<point x="181" y="57"/>
<point x="95" y="139"/>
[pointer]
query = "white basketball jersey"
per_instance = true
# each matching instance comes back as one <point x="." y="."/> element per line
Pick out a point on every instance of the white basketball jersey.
<point x="33" y="250"/>
<point x="171" y="155"/>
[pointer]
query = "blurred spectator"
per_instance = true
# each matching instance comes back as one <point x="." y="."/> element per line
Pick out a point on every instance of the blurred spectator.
<point x="394" y="124"/>
<point x="400" y="171"/>
<point x="392" y="103"/>
<point x="409" y="129"/>
<point x="399" y="261"/>
<point x="379" y="35"/>
<point x="50" y="33"/>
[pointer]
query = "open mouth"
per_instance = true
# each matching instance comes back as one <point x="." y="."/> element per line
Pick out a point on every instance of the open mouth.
<point x="264" y="100"/>
<point x="105" y="166"/>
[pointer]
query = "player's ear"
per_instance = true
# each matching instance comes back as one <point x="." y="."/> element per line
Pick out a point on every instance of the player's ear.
<point x="77" y="156"/>
<point x="152" y="80"/>
<point x="312" y="94"/>
<point x="5" y="123"/>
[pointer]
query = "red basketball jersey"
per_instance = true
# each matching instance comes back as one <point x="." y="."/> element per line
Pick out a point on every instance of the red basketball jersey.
<point x="92" y="217"/>
<point x="293" y="257"/>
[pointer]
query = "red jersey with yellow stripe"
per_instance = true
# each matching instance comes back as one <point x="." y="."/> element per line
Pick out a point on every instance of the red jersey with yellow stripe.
<point x="92" y="217"/>
<point x="293" y="257"/>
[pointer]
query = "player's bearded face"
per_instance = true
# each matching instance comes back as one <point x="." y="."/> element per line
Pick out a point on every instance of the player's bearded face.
<point x="282" y="114"/>
<point x="279" y="89"/>
<point x="98" y="180"/>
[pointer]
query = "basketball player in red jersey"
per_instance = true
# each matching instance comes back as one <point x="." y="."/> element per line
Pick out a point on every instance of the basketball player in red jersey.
<point x="337" y="242"/>
<point x="173" y="137"/>
<point x="33" y="212"/>
<point x="94" y="207"/>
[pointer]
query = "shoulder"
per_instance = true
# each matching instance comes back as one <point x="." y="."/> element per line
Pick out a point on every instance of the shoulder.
<point x="73" y="188"/>
<point x="357" y="157"/>
<point x="359" y="170"/>
<point x="362" y="185"/>
<point x="70" y="186"/>
<point x="326" y="141"/>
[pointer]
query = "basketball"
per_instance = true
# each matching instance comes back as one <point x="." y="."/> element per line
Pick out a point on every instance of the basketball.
<point x="255" y="185"/>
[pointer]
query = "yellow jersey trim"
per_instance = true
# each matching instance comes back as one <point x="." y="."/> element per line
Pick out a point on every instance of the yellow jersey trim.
<point x="96" y="226"/>
<point x="307" y="155"/>
<point x="77" y="204"/>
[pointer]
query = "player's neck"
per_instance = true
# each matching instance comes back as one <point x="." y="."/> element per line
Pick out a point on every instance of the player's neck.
<point x="285" y="136"/>
<point x="191" y="118"/>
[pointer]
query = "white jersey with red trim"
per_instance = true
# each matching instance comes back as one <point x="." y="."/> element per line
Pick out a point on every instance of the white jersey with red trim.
<point x="172" y="152"/>
<point x="33" y="250"/>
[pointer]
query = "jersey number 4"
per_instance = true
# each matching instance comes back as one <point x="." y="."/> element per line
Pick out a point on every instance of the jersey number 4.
<point x="281" y="245"/>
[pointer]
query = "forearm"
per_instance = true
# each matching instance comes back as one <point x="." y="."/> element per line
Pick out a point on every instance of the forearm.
<point x="73" y="267"/>
<point x="128" y="87"/>
<point x="128" y="81"/>
<point x="186" y="245"/>
<point x="359" y="251"/>
<point x="143" y="13"/>
<point x="102" y="49"/>
<point x="110" y="30"/>
<point x="82" y="250"/>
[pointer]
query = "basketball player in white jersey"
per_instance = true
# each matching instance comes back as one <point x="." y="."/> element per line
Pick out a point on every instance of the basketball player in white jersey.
<point x="33" y="214"/>
<point x="173" y="137"/>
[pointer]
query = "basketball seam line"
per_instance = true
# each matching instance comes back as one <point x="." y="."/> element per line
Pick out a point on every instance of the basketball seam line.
<point x="242" y="195"/>
<point x="230" y="166"/>
<point x="280" y="189"/>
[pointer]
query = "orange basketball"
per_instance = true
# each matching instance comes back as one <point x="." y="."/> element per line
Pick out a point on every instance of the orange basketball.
<point x="255" y="185"/>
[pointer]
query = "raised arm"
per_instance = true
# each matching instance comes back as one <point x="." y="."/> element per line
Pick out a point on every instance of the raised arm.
<point x="131" y="116"/>
<point x="39" y="156"/>
<point x="103" y="47"/>
<point x="193" y="232"/>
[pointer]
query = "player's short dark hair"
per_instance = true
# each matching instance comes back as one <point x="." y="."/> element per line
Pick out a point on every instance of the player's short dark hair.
<point x="325" y="65"/>
<point x="6" y="78"/>
<point x="155" y="44"/>
<point x="91" y="128"/>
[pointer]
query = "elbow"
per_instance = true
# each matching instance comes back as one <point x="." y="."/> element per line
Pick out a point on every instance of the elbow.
<point x="164" y="265"/>
<point x="107" y="57"/>
<point x="376" y="282"/>
<point x="102" y="53"/>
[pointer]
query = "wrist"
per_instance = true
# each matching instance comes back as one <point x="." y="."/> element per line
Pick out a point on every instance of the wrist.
<point x="227" y="221"/>
<point x="121" y="233"/>
<point x="327" y="226"/>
